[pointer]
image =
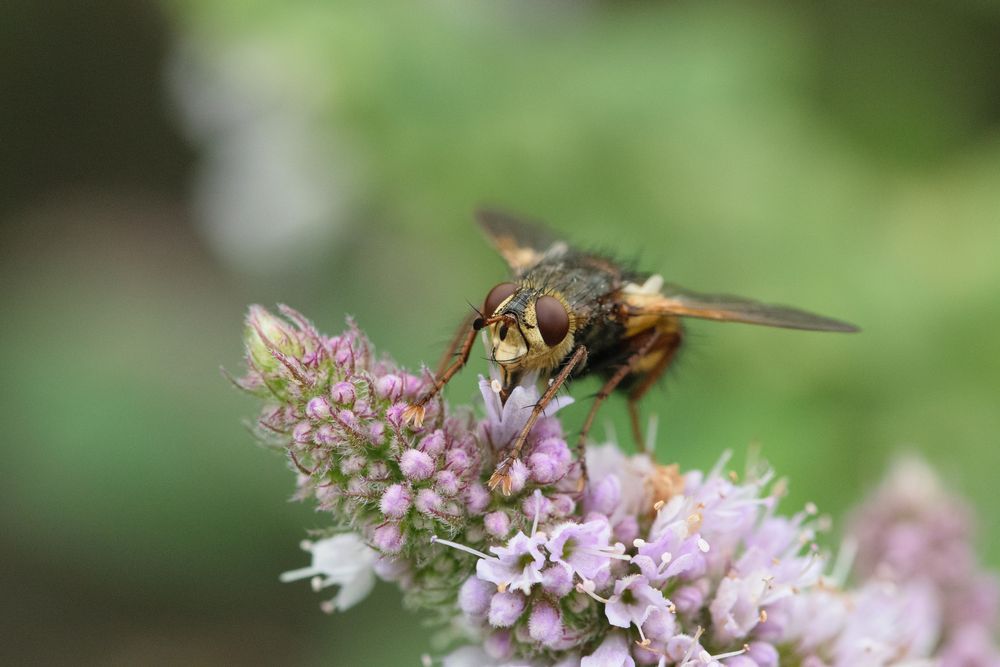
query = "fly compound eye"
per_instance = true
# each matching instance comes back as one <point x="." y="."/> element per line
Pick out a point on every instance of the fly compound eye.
<point x="553" y="320"/>
<point x="497" y="296"/>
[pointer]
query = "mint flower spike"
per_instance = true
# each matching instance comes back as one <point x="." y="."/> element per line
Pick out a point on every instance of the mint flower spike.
<point x="644" y="566"/>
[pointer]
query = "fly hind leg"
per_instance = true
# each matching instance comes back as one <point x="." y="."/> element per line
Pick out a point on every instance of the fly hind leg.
<point x="665" y="351"/>
<point x="651" y="342"/>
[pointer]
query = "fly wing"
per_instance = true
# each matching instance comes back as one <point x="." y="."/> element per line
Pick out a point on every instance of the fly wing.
<point x="522" y="244"/>
<point x="678" y="301"/>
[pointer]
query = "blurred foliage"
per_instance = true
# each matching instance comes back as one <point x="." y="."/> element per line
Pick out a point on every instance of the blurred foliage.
<point x="844" y="158"/>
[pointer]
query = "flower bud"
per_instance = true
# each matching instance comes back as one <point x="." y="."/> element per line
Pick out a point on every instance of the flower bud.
<point x="428" y="501"/>
<point x="474" y="596"/>
<point x="266" y="334"/>
<point x="557" y="580"/>
<point x="518" y="476"/>
<point x="348" y="419"/>
<point x="545" y="624"/>
<point x="395" y="501"/>
<point x="302" y="433"/>
<point x="763" y="654"/>
<point x="447" y="482"/>
<point x="604" y="496"/>
<point x="433" y="443"/>
<point x="389" y="386"/>
<point x="413" y="385"/>
<point x="352" y="464"/>
<point x="688" y="599"/>
<point x="388" y="538"/>
<point x="343" y="393"/>
<point x="627" y="529"/>
<point x="325" y="435"/>
<point x="318" y="408"/>
<point x="416" y="465"/>
<point x="457" y="460"/>
<point x="499" y="645"/>
<point x="497" y="523"/>
<point x="562" y="504"/>
<point x="741" y="661"/>
<point x="505" y="608"/>
<point x="476" y="498"/>
<point x="536" y="505"/>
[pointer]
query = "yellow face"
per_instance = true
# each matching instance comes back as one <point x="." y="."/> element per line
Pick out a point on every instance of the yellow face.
<point x="527" y="330"/>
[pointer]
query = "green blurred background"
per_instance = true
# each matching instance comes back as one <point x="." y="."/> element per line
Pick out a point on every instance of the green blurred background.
<point x="165" y="165"/>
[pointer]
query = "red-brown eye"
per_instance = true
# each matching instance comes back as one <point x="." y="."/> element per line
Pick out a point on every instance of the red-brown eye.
<point x="497" y="296"/>
<point x="553" y="320"/>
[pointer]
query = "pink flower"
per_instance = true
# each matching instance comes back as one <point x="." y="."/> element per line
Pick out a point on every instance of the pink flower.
<point x="518" y="565"/>
<point x="634" y="600"/>
<point x="581" y="548"/>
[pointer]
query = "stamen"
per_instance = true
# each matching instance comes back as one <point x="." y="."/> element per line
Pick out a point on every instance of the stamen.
<point x="731" y="654"/>
<point x="720" y="464"/>
<point x="645" y="642"/>
<point x="651" y="433"/>
<point x="694" y="643"/>
<point x="587" y="586"/>
<point x="845" y="559"/>
<point x="538" y="510"/>
<point x="295" y="575"/>
<point x="461" y="547"/>
<point x="608" y="552"/>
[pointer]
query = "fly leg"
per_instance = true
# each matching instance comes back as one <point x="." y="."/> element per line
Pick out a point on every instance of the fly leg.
<point x="455" y="345"/>
<point x="629" y="367"/>
<point x="667" y="346"/>
<point x="415" y="413"/>
<point x="501" y="476"/>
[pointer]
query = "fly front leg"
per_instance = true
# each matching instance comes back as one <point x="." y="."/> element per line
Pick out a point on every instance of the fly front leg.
<point x="456" y="344"/>
<point x="414" y="413"/>
<point x="501" y="476"/>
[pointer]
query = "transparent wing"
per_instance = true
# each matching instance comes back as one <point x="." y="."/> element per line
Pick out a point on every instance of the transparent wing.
<point x="727" y="308"/>
<point x="522" y="244"/>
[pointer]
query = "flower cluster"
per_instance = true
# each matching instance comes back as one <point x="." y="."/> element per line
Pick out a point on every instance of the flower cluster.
<point x="336" y="410"/>
<point x="635" y="565"/>
<point x="912" y="530"/>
